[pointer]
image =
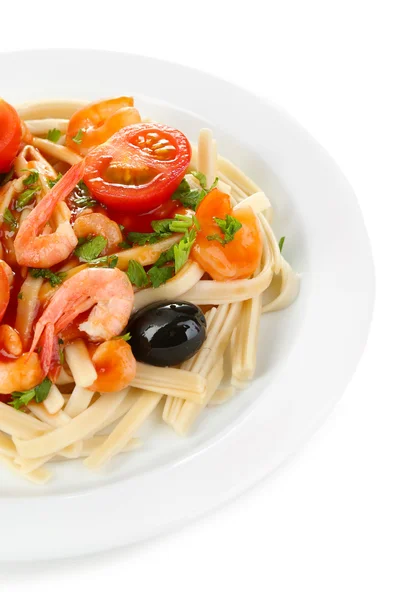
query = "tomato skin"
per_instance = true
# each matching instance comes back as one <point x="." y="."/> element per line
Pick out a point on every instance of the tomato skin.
<point x="237" y="259"/>
<point x="139" y="168"/>
<point x="10" y="135"/>
<point x="99" y="121"/>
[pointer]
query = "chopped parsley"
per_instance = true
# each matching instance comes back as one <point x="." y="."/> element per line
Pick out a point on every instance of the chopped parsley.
<point x="106" y="261"/>
<point x="52" y="182"/>
<point x="182" y="249"/>
<point x="9" y="218"/>
<point x="90" y="250"/>
<point x="165" y="257"/>
<point x="140" y="239"/>
<point x="78" y="137"/>
<point x="32" y="178"/>
<point x="201" y="178"/>
<point x="281" y="242"/>
<point x="20" y="296"/>
<point x="81" y="196"/>
<point x="26" y="197"/>
<point x="137" y="274"/>
<point x="38" y="394"/>
<point x="126" y="337"/>
<point x="159" y="275"/>
<point x="53" y="135"/>
<point x="124" y="245"/>
<point x="53" y="278"/>
<point x="229" y="227"/>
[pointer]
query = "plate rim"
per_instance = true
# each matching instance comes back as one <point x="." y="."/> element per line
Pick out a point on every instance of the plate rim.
<point x="232" y="427"/>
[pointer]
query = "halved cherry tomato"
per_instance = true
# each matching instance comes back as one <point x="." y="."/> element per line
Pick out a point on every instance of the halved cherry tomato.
<point x="96" y="123"/>
<point x="4" y="292"/>
<point x="236" y="259"/>
<point x="10" y="135"/>
<point x="139" y="168"/>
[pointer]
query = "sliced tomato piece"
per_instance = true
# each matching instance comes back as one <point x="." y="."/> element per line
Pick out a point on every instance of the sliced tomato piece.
<point x="96" y="123"/>
<point x="235" y="259"/>
<point x="139" y="168"/>
<point x="10" y="135"/>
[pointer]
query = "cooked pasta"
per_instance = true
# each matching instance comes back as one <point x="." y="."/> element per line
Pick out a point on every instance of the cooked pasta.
<point x="128" y="271"/>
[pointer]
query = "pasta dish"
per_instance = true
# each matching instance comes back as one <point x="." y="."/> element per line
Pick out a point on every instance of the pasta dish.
<point x="134" y="268"/>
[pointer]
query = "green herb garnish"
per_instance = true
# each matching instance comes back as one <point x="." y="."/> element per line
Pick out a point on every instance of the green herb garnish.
<point x="182" y="249"/>
<point x="38" y="394"/>
<point x="54" y="135"/>
<point x="9" y="218"/>
<point x="159" y="275"/>
<point x="106" y="261"/>
<point x="140" y="239"/>
<point x="32" y="178"/>
<point x="137" y="274"/>
<point x="201" y="178"/>
<point x="126" y="337"/>
<point x="26" y="197"/>
<point x="52" y="182"/>
<point x="81" y="196"/>
<point x="166" y="256"/>
<point x="229" y="227"/>
<point x="20" y="296"/>
<point x="90" y="250"/>
<point x="78" y="137"/>
<point x="53" y="278"/>
<point x="189" y="198"/>
<point x="281" y="242"/>
<point x="124" y="245"/>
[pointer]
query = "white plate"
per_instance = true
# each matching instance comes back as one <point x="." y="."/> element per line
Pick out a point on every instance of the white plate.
<point x="307" y="353"/>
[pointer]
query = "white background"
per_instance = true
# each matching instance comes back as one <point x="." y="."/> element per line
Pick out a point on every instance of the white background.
<point x="339" y="520"/>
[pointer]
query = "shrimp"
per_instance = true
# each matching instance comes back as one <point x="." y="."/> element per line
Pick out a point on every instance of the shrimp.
<point x="4" y="287"/>
<point x="21" y="374"/>
<point x="44" y="251"/>
<point x="10" y="341"/>
<point x="107" y="291"/>
<point x="115" y="365"/>
<point x="99" y="224"/>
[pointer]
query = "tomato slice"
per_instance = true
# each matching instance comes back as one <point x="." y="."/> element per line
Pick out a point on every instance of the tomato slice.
<point x="96" y="123"/>
<point x="236" y="259"/>
<point x="10" y="135"/>
<point x="139" y="168"/>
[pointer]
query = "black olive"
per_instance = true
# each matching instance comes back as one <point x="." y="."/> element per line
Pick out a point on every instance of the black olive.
<point x="167" y="333"/>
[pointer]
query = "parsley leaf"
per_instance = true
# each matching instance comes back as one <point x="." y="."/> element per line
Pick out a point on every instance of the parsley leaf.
<point x="229" y="227"/>
<point x="92" y="249"/>
<point x="182" y="249"/>
<point x="140" y="239"/>
<point x="166" y="256"/>
<point x="281" y="242"/>
<point x="26" y="197"/>
<point x="137" y="274"/>
<point x="124" y="245"/>
<point x="161" y="226"/>
<point x="53" y="278"/>
<point x="201" y="178"/>
<point x="159" y="275"/>
<point x="126" y="337"/>
<point x="52" y="182"/>
<point x="106" y="261"/>
<point x="9" y="218"/>
<point x="78" y="137"/>
<point x="32" y="178"/>
<point x="53" y="135"/>
<point x="179" y="224"/>
<point x="81" y="196"/>
<point x="189" y="198"/>
<point x="20" y="296"/>
<point x="38" y="394"/>
<point x="6" y="177"/>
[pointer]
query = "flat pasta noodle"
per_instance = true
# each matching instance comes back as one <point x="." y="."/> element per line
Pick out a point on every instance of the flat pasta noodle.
<point x="39" y="127"/>
<point x="57" y="151"/>
<point x="49" y="109"/>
